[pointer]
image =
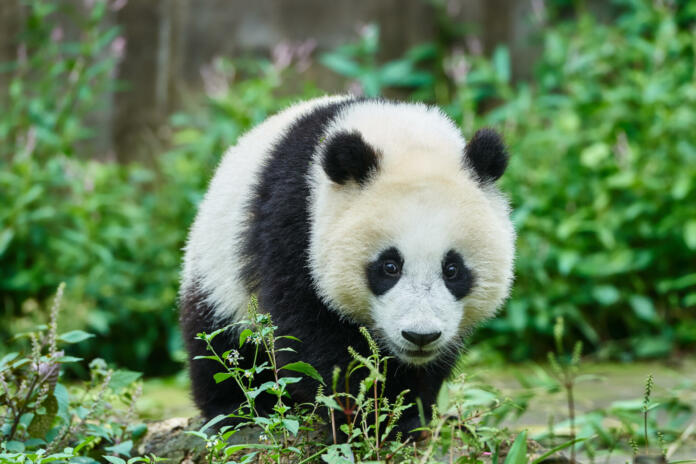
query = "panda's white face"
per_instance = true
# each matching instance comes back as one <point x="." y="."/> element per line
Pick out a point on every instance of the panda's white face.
<point x="416" y="305"/>
<point x="405" y="239"/>
<point x="420" y="269"/>
<point x="423" y="276"/>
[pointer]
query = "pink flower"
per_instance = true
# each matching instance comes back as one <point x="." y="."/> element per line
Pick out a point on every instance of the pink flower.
<point x="118" y="47"/>
<point x="57" y="34"/>
<point x="118" y="4"/>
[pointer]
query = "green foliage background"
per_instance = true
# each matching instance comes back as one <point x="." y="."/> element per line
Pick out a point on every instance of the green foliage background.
<point x="602" y="180"/>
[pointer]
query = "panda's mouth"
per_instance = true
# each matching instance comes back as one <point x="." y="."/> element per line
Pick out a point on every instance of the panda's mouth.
<point x="419" y="356"/>
<point x="419" y="353"/>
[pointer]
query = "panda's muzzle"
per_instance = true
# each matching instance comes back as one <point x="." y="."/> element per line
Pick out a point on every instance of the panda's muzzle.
<point x="420" y="339"/>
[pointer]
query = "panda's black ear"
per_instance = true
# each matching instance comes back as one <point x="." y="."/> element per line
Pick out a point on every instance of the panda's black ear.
<point x="348" y="157"/>
<point x="485" y="153"/>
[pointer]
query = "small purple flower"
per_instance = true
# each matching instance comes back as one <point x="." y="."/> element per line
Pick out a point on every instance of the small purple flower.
<point x="118" y="4"/>
<point x="355" y="88"/>
<point x="282" y="55"/>
<point x="118" y="47"/>
<point x="57" y="34"/>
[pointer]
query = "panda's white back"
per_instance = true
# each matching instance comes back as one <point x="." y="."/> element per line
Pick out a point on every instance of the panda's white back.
<point x="212" y="257"/>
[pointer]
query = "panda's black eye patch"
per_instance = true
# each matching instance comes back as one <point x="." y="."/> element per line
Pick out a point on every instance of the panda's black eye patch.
<point x="458" y="278"/>
<point x="384" y="272"/>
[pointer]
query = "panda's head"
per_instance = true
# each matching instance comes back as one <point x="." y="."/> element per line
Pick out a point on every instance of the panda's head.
<point x="410" y="236"/>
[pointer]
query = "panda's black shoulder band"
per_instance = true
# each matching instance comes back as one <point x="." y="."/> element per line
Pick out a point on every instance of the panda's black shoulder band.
<point x="486" y="154"/>
<point x="348" y="157"/>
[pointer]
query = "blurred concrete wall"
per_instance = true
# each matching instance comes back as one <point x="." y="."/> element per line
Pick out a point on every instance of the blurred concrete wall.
<point x="169" y="41"/>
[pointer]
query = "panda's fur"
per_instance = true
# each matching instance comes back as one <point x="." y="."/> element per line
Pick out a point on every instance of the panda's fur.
<point x="339" y="213"/>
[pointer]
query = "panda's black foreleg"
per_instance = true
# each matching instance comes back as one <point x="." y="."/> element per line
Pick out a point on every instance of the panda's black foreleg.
<point x="423" y="386"/>
<point x="211" y="397"/>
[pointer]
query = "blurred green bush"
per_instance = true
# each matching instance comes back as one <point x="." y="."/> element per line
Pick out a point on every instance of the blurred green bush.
<point x="602" y="180"/>
<point x="112" y="232"/>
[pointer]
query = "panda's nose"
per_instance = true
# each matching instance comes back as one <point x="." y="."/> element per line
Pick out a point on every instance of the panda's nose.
<point x="420" y="339"/>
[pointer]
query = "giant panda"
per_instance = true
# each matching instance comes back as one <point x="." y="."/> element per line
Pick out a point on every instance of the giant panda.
<point x="341" y="212"/>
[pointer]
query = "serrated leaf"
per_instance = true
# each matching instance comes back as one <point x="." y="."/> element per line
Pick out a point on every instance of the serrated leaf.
<point x="42" y="423"/>
<point x="124" y="448"/>
<point x="329" y="402"/>
<point x="123" y="378"/>
<point x="291" y="425"/>
<point x="306" y="369"/>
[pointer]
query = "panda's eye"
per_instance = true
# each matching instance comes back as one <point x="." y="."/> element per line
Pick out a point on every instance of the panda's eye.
<point x="391" y="268"/>
<point x="450" y="271"/>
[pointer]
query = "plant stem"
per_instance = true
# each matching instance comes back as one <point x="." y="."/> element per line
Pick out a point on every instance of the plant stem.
<point x="398" y="448"/>
<point x="333" y="427"/>
<point x="571" y="415"/>
<point x="645" y="429"/>
<point x="376" y="417"/>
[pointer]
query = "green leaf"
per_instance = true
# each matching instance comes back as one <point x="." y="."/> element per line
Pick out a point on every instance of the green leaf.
<point x="138" y="430"/>
<point x="341" y="64"/>
<point x="689" y="234"/>
<point x="68" y="359"/>
<point x="306" y="369"/>
<point x="606" y="294"/>
<point x="14" y="446"/>
<point x="643" y="308"/>
<point x="593" y="155"/>
<point x="114" y="459"/>
<point x="558" y="448"/>
<point x="74" y="336"/>
<point x="123" y="378"/>
<point x="7" y="359"/>
<point x="124" y="448"/>
<point x="291" y="425"/>
<point x="63" y="398"/>
<point x="5" y="238"/>
<point x="518" y="451"/>
<point x="222" y="376"/>
<point x="244" y="335"/>
<point x="501" y="63"/>
<point x="329" y="402"/>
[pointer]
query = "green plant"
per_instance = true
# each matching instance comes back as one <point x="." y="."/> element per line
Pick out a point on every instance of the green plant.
<point x="601" y="177"/>
<point x="44" y="419"/>
<point x="365" y="419"/>
<point x="64" y="217"/>
<point x="281" y="427"/>
<point x="56" y="81"/>
<point x="358" y="61"/>
<point x="565" y="369"/>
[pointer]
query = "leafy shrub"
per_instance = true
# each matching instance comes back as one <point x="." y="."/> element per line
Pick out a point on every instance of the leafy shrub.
<point x="112" y="232"/>
<point x="602" y="180"/>
<point x="45" y="419"/>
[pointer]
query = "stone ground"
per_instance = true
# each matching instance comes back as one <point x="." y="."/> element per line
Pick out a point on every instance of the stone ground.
<point x="168" y="398"/>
